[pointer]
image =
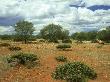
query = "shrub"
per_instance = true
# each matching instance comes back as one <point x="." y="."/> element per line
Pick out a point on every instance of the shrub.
<point x="63" y="46"/>
<point x="61" y="59"/>
<point x="66" y="41"/>
<point x="74" y="72"/>
<point x="4" y="45"/>
<point x="54" y="41"/>
<point x="14" y="48"/>
<point x="23" y="59"/>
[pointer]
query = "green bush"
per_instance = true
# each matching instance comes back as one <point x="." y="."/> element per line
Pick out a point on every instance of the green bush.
<point x="61" y="59"/>
<point x="63" y="46"/>
<point x="14" y="48"/>
<point x="23" y="59"/>
<point x="4" y="45"/>
<point x="66" y="41"/>
<point x="74" y="72"/>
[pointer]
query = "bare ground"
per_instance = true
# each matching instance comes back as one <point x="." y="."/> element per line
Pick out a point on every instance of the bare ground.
<point x="91" y="54"/>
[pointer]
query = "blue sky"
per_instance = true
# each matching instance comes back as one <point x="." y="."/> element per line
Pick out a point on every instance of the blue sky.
<point x="74" y="15"/>
<point x="99" y="7"/>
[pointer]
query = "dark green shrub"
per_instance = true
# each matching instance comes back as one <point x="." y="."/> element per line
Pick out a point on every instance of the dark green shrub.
<point x="54" y="41"/>
<point x="23" y="58"/>
<point x="61" y="59"/>
<point x="74" y="72"/>
<point x="66" y="41"/>
<point x="63" y="46"/>
<point x="14" y="48"/>
<point x="4" y="45"/>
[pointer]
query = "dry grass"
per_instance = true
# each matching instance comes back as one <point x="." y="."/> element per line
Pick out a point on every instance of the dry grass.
<point x="98" y="58"/>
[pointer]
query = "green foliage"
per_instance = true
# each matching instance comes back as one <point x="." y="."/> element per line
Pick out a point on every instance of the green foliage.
<point x="32" y="38"/>
<point x="81" y="36"/>
<point x="61" y="59"/>
<point x="53" y="33"/>
<point x="104" y="35"/>
<point x="91" y="35"/>
<point x="6" y="37"/>
<point x="66" y="41"/>
<point x="14" y="48"/>
<point x="74" y="72"/>
<point x="54" y="41"/>
<point x="24" y="30"/>
<point x="63" y="46"/>
<point x="23" y="58"/>
<point x="65" y="35"/>
<point x="4" y="45"/>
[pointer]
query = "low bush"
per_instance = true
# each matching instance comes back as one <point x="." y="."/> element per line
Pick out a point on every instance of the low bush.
<point x="14" y="48"/>
<point x="63" y="46"/>
<point x="23" y="59"/>
<point x="4" y="45"/>
<point x="61" y="59"/>
<point x="74" y="72"/>
<point x="66" y="41"/>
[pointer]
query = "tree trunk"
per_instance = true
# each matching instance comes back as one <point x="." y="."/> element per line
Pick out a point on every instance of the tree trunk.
<point x="25" y="41"/>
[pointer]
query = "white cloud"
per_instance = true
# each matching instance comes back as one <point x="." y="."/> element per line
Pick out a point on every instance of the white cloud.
<point x="97" y="2"/>
<point x="8" y="7"/>
<point x="6" y="30"/>
<point x="43" y="12"/>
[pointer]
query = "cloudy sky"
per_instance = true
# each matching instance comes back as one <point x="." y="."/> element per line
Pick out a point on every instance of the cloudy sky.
<point x="74" y="15"/>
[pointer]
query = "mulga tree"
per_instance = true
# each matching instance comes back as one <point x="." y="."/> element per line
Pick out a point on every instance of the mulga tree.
<point x="24" y="30"/>
<point x="53" y="33"/>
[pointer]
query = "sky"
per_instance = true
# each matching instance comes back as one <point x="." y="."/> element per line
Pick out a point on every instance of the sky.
<point x="73" y="15"/>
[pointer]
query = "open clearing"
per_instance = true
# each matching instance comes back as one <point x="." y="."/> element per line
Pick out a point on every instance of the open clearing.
<point x="92" y="54"/>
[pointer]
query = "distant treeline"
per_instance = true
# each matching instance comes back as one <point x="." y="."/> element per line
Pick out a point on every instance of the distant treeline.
<point x="103" y="35"/>
<point x="52" y="33"/>
<point x="16" y="38"/>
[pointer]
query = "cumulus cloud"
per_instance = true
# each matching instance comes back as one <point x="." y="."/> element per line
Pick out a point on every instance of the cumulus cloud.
<point x="6" y="30"/>
<point x="42" y="12"/>
<point x="97" y="2"/>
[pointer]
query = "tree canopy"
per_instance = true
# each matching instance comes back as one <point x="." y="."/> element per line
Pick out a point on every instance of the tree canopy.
<point x="81" y="36"/>
<point x="24" y="30"/>
<point x="53" y="33"/>
<point x="104" y="35"/>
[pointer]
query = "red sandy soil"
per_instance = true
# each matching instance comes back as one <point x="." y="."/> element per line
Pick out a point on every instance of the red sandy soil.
<point x="47" y="54"/>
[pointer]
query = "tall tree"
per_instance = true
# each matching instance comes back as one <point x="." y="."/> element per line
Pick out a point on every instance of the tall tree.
<point x="24" y="30"/>
<point x="53" y="33"/>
